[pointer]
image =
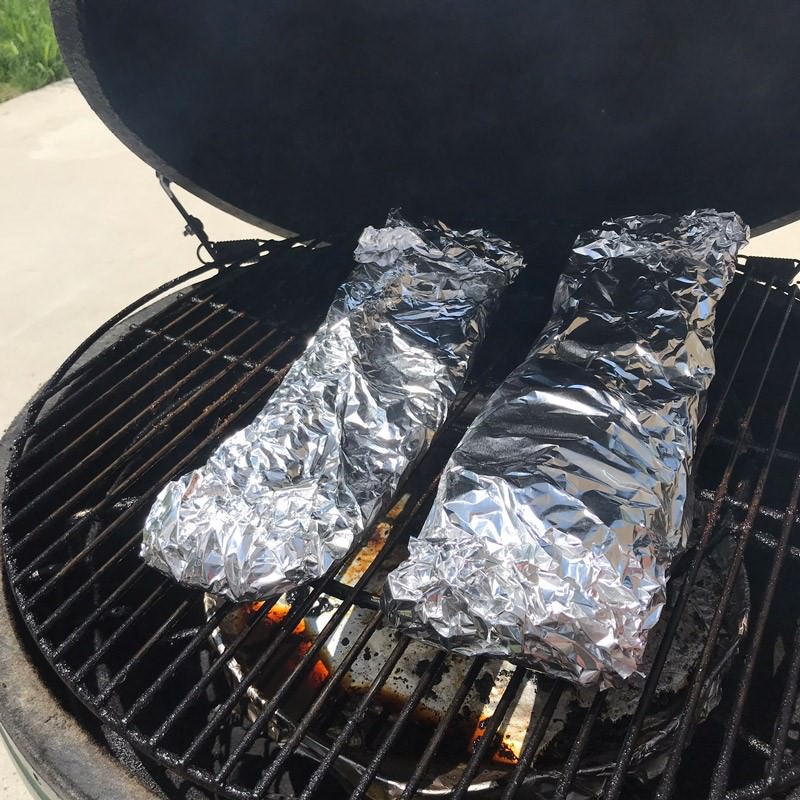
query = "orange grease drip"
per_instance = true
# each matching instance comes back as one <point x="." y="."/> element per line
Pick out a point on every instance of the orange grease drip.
<point x="367" y="554"/>
<point x="503" y="754"/>
<point x="370" y="549"/>
<point x="397" y="509"/>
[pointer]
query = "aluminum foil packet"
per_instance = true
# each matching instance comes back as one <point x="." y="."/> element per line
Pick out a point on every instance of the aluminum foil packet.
<point x="282" y="500"/>
<point x="561" y="510"/>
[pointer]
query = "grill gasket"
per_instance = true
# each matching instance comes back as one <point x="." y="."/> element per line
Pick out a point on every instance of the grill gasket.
<point x="77" y="678"/>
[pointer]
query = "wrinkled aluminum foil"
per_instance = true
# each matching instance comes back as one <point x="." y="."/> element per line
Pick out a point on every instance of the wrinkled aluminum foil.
<point x="559" y="513"/>
<point x="283" y="499"/>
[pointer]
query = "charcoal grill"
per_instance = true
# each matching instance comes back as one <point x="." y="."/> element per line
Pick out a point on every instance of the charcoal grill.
<point x="119" y="683"/>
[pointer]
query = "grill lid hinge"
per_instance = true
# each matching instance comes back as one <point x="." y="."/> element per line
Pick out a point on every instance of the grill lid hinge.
<point x="219" y="252"/>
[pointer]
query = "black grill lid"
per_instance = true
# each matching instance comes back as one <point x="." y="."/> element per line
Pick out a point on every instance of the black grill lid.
<point x="318" y="116"/>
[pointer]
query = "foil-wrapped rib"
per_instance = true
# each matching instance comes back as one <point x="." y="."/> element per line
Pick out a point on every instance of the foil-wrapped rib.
<point x="283" y="499"/>
<point x="561" y="510"/>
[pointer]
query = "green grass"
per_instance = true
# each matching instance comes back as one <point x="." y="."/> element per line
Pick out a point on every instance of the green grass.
<point x="29" y="56"/>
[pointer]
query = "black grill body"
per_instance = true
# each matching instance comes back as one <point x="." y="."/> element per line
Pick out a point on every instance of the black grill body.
<point x="137" y="651"/>
<point x="318" y="118"/>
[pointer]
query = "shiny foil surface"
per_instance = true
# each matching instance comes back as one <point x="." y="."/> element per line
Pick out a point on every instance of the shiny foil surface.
<point x="561" y="510"/>
<point x="283" y="499"/>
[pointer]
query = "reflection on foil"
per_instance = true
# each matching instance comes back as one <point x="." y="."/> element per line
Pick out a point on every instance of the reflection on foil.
<point x="283" y="499"/>
<point x="559" y="514"/>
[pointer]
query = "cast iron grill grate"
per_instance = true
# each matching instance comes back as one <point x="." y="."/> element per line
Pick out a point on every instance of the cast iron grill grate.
<point x="138" y="650"/>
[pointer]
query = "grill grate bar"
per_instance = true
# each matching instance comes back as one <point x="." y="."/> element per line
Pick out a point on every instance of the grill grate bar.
<point x="485" y="743"/>
<point x="723" y="328"/>
<point x="309" y="717"/>
<point x="720" y="778"/>
<point x="356" y="717"/>
<point x="204" y="778"/>
<point x="162" y="588"/>
<point x="98" y="612"/>
<point x="208" y="675"/>
<point x="576" y="752"/>
<point x="616" y="782"/>
<point x="100" y="378"/>
<point x="755" y="744"/>
<point x="769" y="542"/>
<point x="761" y="450"/>
<point x="788" y="699"/>
<point x="95" y="364"/>
<point x="127" y="401"/>
<point x="182" y="634"/>
<point x="714" y="423"/>
<point x="182" y="609"/>
<point x="431" y="671"/>
<point x="134" y="476"/>
<point x="418" y="774"/>
<point x="198" y="640"/>
<point x="87" y="460"/>
<point x="765" y="788"/>
<point x="135" y="506"/>
<point x="741" y="505"/>
<point x="537" y="729"/>
<point x="688" y="718"/>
